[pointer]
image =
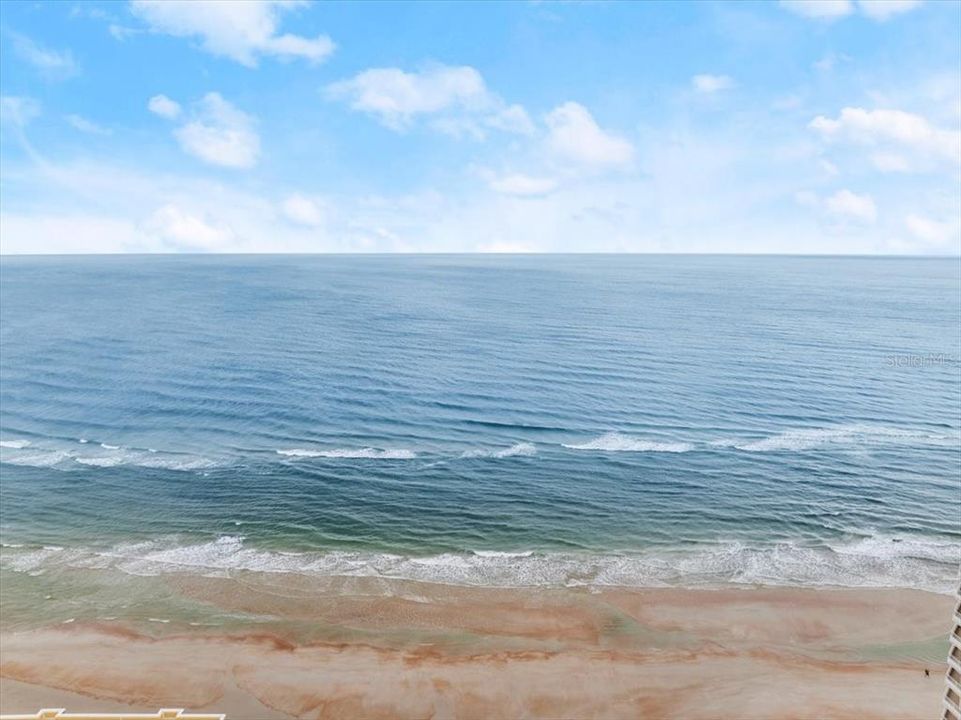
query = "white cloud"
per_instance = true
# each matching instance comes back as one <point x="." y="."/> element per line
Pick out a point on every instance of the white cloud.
<point x="395" y="96"/>
<point x="829" y="10"/>
<point x="522" y="185"/>
<point x="707" y="83"/>
<point x="86" y="126"/>
<point x="242" y="30"/>
<point x="931" y="232"/>
<point x="163" y="106"/>
<point x="686" y="205"/>
<point x="456" y="97"/>
<point x="220" y="134"/>
<point x="96" y="207"/>
<point x="303" y="211"/>
<point x="52" y="64"/>
<point x="314" y="50"/>
<point x="891" y="128"/>
<point x="173" y="226"/>
<point x="846" y="204"/>
<point x="881" y="10"/>
<point x="819" y="9"/>
<point x="18" y="111"/>
<point x="574" y="136"/>
<point x="701" y="190"/>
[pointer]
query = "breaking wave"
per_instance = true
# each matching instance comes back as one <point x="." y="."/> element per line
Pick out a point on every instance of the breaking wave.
<point x="524" y="449"/>
<point x="351" y="453"/>
<point x="844" y="435"/>
<point x="14" y="444"/>
<point x="26" y="454"/>
<point x="859" y="437"/>
<point x="875" y="561"/>
<point x="615" y="442"/>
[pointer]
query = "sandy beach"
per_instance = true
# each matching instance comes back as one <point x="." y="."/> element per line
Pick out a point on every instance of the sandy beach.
<point x="430" y="651"/>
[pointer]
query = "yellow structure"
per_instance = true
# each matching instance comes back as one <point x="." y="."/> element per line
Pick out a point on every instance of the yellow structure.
<point x="162" y="714"/>
<point x="952" y="694"/>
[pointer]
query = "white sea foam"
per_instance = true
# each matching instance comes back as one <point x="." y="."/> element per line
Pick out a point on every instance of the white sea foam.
<point x="36" y="457"/>
<point x="524" y="449"/>
<point x="105" y="461"/>
<point x="14" y="444"/>
<point x="106" y="456"/>
<point x="351" y="453"/>
<point x="876" y="561"/>
<point x="897" y="548"/>
<point x="615" y="442"/>
<point x="175" y="462"/>
<point x="854" y="435"/>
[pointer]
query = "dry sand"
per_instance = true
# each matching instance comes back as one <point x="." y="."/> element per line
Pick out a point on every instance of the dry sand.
<point x="421" y="651"/>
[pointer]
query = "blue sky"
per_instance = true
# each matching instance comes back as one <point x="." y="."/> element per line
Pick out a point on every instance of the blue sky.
<point x="791" y="127"/>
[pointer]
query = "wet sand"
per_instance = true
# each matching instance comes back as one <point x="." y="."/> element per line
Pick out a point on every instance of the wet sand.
<point x="425" y="651"/>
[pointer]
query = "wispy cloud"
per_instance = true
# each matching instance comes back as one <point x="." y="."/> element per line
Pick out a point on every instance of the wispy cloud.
<point x="830" y="10"/>
<point x="709" y="84"/>
<point x="51" y="64"/>
<point x="86" y="126"/>
<point x="827" y="10"/>
<point x="17" y="110"/>
<point x="882" y="10"/>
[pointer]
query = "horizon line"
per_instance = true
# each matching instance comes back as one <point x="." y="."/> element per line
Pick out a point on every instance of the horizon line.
<point x="481" y="254"/>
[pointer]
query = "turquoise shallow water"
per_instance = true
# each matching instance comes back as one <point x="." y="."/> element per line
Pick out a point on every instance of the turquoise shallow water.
<point x="488" y="420"/>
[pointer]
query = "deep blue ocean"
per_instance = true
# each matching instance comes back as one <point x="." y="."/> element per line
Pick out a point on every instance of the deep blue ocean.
<point x="488" y="420"/>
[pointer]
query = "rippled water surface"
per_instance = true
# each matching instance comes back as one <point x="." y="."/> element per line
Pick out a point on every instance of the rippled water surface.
<point x="530" y="420"/>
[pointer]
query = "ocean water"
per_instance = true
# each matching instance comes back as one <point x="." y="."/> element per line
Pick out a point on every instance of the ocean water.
<point x="481" y="420"/>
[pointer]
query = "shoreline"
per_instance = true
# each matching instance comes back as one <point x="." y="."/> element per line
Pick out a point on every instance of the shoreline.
<point x="870" y="560"/>
<point x="416" y="650"/>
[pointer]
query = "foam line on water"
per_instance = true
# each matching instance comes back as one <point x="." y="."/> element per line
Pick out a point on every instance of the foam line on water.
<point x="14" y="444"/>
<point x="852" y="435"/>
<point x="351" y="453"/>
<point x="102" y="455"/>
<point x="520" y="449"/>
<point x="872" y="561"/>
<point x="616" y="442"/>
<point x="856" y="437"/>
